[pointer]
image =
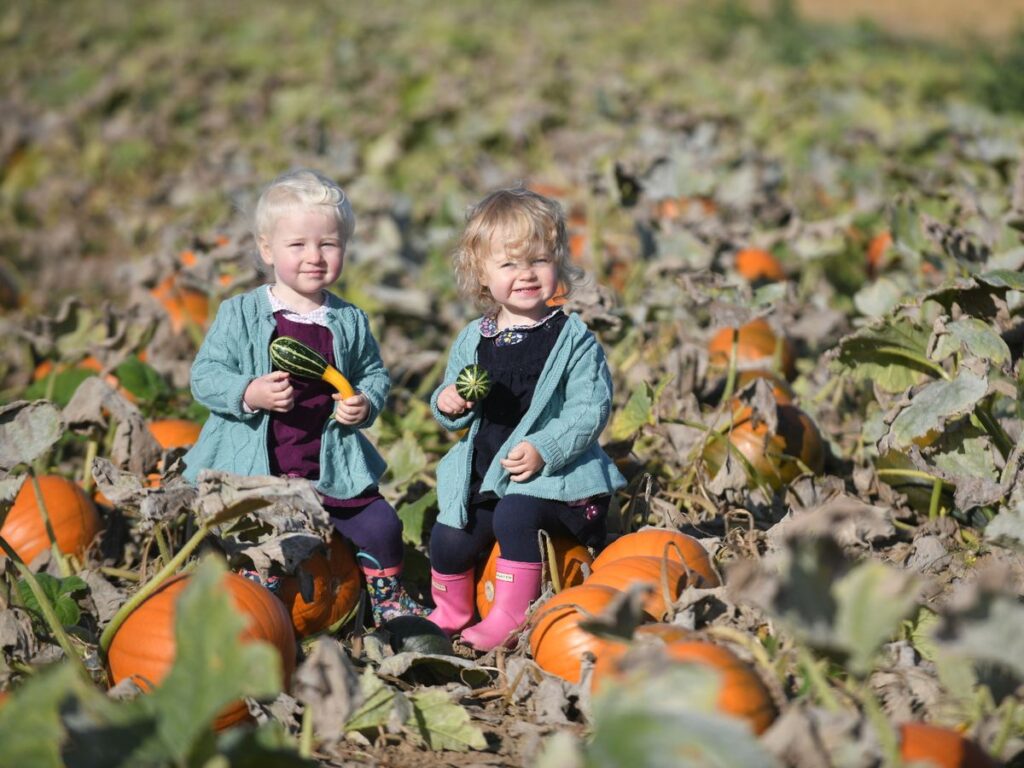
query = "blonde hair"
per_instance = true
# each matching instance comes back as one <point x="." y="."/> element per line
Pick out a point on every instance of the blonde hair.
<point x="532" y="225"/>
<point x="302" y="188"/>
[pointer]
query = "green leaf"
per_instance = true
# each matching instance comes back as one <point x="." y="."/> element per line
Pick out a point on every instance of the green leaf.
<point x="879" y="297"/>
<point x="406" y="460"/>
<point x="141" y="379"/>
<point x="212" y="668"/>
<point x="972" y="456"/>
<point x="891" y="354"/>
<point x="638" y="411"/>
<point x="64" y="385"/>
<point x="60" y="594"/>
<point x="30" y="722"/>
<point x="973" y="336"/>
<point x="443" y="724"/>
<point x="872" y="600"/>
<point x="412" y="516"/>
<point x="377" y="707"/>
<point x="936" y="403"/>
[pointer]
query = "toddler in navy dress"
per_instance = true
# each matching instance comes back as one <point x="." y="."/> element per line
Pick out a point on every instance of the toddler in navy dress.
<point x="530" y="459"/>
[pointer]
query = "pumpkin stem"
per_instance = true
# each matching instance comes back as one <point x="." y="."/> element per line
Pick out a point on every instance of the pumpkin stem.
<point x="151" y="586"/>
<point x="49" y="615"/>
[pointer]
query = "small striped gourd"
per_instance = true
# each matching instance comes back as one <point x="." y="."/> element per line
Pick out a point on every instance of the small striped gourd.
<point x="473" y="383"/>
<point x="291" y="355"/>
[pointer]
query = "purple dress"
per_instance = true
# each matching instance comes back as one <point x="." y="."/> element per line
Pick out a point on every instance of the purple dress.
<point x="293" y="442"/>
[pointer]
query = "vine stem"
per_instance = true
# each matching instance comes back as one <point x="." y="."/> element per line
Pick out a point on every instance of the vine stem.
<point x="1005" y="728"/>
<point x="817" y="680"/>
<point x="151" y="586"/>
<point x="49" y="615"/>
<point x="1003" y="443"/>
<point x="907" y="473"/>
<point x="306" y="733"/>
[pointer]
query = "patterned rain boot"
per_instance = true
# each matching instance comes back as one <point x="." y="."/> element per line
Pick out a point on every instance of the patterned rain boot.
<point x="516" y="585"/>
<point x="453" y="596"/>
<point x="388" y="597"/>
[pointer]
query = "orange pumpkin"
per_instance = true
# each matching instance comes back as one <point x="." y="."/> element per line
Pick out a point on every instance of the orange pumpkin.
<point x="556" y="640"/>
<point x="942" y="747"/>
<point x="336" y="588"/>
<point x="174" y="433"/>
<point x="758" y="264"/>
<point x="741" y="692"/>
<point x="73" y="516"/>
<point x="623" y="572"/>
<point x="607" y="665"/>
<point x="183" y="305"/>
<point x="144" y="648"/>
<point x="878" y="246"/>
<point x="570" y="557"/>
<point x="774" y="457"/>
<point x="757" y="346"/>
<point x="662" y="542"/>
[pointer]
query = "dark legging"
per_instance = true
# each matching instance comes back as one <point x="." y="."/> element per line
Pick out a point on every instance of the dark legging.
<point x="375" y="530"/>
<point x="514" y="521"/>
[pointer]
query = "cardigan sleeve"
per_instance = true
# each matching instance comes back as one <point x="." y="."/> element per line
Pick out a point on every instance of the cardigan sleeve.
<point x="462" y="354"/>
<point x="368" y="374"/>
<point x="587" y="392"/>
<point x="217" y="377"/>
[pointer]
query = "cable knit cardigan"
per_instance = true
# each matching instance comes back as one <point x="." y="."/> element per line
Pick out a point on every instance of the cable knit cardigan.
<point x="237" y="349"/>
<point x="570" y="407"/>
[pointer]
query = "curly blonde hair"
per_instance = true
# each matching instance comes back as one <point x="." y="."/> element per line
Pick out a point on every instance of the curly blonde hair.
<point x="531" y="225"/>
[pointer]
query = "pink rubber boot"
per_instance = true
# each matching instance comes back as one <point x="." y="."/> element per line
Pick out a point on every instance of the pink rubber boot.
<point x="516" y="585"/>
<point x="453" y="596"/>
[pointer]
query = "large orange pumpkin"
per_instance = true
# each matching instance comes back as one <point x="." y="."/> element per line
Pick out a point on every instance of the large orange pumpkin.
<point x="623" y="572"/>
<point x="144" y="648"/>
<point x="73" y="516"/>
<point x="758" y="264"/>
<point x="336" y="588"/>
<point x="570" y="557"/>
<point x="757" y="346"/>
<point x="662" y="542"/>
<point x="741" y="692"/>
<point x="174" y="433"/>
<point x="774" y="457"/>
<point x="556" y="640"/>
<point x="941" y="747"/>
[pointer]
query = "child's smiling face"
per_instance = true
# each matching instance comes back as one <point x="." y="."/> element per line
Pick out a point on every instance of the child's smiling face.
<point x="521" y="283"/>
<point x="306" y="251"/>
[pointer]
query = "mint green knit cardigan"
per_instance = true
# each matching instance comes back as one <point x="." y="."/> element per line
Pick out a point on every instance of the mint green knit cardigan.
<point x="237" y="349"/>
<point x="570" y="408"/>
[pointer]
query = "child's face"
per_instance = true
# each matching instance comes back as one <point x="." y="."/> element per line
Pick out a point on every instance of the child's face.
<point x="306" y="251"/>
<point x="522" y="285"/>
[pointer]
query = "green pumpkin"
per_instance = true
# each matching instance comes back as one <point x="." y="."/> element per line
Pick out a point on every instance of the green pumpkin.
<point x="415" y="634"/>
<point x="473" y="383"/>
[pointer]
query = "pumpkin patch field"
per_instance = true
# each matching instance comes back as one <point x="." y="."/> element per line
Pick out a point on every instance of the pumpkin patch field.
<point x="804" y="250"/>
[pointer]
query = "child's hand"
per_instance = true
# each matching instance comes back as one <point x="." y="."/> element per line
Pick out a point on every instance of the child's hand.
<point x="351" y="410"/>
<point x="451" y="402"/>
<point x="523" y="462"/>
<point x="272" y="392"/>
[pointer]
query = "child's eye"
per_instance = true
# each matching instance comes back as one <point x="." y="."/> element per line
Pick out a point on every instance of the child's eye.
<point x="541" y="260"/>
